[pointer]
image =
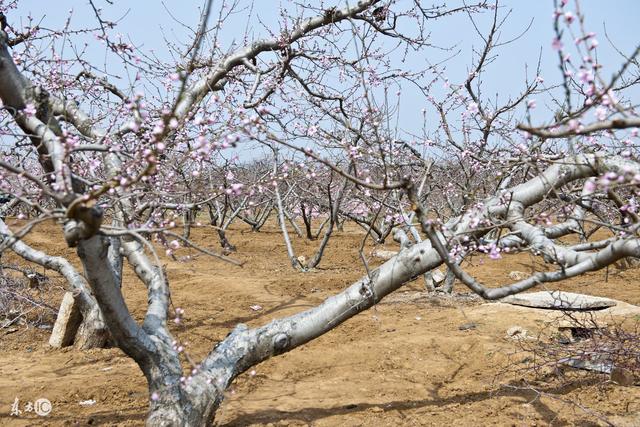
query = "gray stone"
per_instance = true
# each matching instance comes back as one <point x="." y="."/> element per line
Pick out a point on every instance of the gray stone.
<point x="517" y="333"/>
<point x="67" y="322"/>
<point x="601" y="366"/>
<point x="558" y="300"/>
<point x="467" y="326"/>
<point x="437" y="275"/>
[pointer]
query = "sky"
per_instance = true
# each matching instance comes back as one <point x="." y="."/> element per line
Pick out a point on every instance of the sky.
<point x="149" y="22"/>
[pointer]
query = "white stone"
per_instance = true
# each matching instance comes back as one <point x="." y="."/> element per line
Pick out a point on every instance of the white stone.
<point x="558" y="300"/>
<point x="67" y="322"/>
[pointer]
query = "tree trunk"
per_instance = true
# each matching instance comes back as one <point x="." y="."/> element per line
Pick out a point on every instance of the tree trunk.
<point x="447" y="286"/>
<point x="307" y="221"/>
<point x="179" y="408"/>
<point x="92" y="333"/>
<point x="224" y="242"/>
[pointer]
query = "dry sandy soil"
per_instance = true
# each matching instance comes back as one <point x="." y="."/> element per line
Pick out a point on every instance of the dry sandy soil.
<point x="406" y="362"/>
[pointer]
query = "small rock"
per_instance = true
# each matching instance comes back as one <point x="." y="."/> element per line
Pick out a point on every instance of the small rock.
<point x="255" y="307"/>
<point x="517" y="333"/>
<point x="518" y="275"/>
<point x="35" y="279"/>
<point x="467" y="326"/>
<point x="89" y="402"/>
<point x="437" y="276"/>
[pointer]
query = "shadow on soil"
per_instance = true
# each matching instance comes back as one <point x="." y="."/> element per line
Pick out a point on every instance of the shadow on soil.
<point x="309" y="415"/>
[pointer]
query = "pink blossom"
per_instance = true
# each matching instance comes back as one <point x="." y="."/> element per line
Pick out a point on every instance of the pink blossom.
<point x="494" y="252"/>
<point x="590" y="186"/>
<point x="237" y="188"/>
<point x="29" y="110"/>
<point x="574" y="124"/>
<point x="601" y="113"/>
<point x="585" y="76"/>
<point x="158" y="128"/>
<point x="569" y="17"/>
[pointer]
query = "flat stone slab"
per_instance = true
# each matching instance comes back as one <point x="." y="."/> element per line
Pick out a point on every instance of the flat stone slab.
<point x="558" y="300"/>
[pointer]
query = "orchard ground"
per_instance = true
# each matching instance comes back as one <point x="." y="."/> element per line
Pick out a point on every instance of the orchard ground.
<point x="405" y="362"/>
